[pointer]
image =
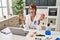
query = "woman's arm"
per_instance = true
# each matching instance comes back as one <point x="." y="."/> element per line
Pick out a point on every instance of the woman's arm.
<point x="41" y="18"/>
<point x="38" y="22"/>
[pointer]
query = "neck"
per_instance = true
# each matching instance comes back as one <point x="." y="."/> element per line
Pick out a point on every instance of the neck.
<point x="32" y="17"/>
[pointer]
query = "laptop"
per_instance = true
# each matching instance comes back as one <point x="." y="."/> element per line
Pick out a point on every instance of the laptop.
<point x="18" y="31"/>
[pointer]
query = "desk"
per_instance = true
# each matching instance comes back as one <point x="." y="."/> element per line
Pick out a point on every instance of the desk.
<point x="18" y="37"/>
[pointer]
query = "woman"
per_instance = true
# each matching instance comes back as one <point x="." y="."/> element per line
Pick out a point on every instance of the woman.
<point x="32" y="19"/>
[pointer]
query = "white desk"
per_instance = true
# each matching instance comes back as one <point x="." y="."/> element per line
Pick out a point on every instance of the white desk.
<point x="28" y="37"/>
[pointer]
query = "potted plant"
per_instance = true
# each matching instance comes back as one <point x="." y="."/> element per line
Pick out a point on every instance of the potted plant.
<point x="18" y="7"/>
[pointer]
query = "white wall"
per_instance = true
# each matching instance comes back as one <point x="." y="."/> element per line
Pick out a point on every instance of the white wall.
<point x="57" y="2"/>
<point x="40" y="11"/>
<point x="58" y="21"/>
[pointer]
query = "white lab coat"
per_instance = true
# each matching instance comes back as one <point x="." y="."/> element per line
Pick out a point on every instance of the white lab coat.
<point x="29" y="24"/>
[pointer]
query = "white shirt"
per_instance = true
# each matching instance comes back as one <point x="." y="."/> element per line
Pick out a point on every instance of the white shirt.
<point x="29" y="24"/>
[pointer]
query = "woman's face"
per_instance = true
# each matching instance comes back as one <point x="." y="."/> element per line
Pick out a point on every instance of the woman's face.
<point x="31" y="11"/>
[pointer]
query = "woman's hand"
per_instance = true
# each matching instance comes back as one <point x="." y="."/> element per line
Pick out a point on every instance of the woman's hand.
<point x="22" y="19"/>
<point x="41" y="18"/>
